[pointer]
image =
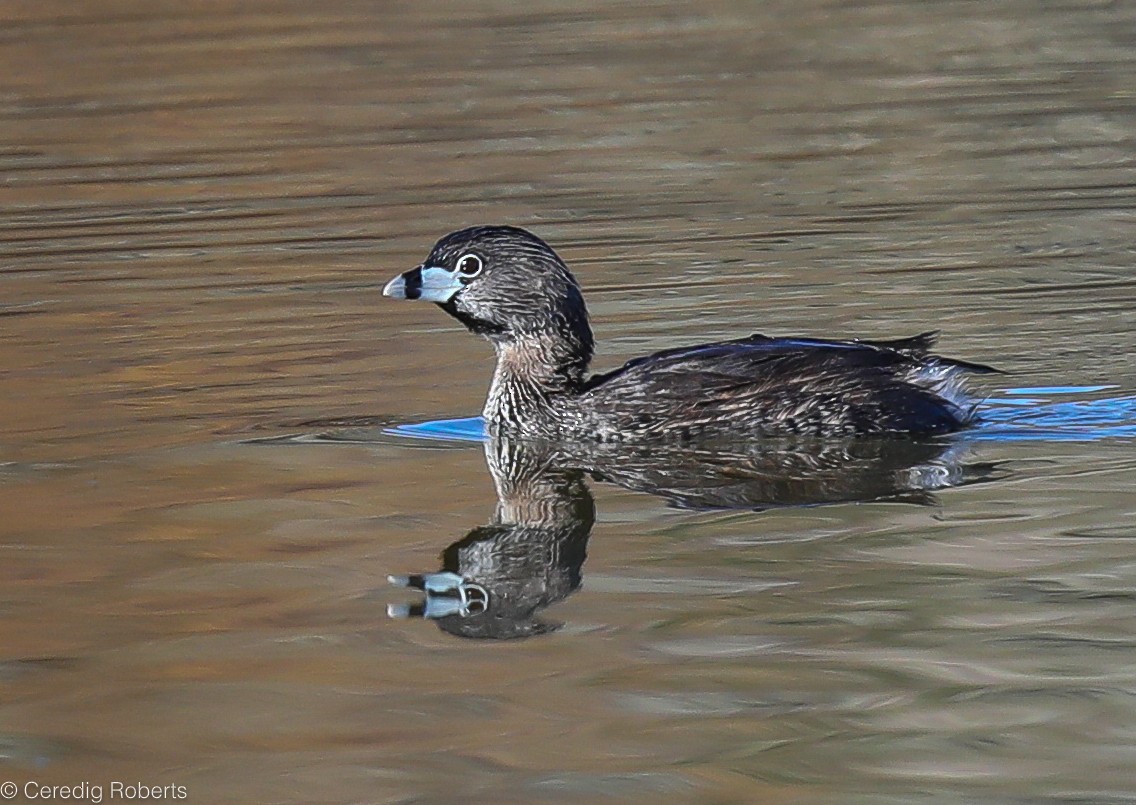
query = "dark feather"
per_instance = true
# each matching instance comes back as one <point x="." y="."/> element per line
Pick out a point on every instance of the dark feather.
<point x="772" y="386"/>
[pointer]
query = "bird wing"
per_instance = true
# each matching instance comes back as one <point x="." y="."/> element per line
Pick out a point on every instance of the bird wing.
<point x="797" y="383"/>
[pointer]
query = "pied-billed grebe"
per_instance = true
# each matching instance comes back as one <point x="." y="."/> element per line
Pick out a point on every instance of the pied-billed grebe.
<point x="508" y="285"/>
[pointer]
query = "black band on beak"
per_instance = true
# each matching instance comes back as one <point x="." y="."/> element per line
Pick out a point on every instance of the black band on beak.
<point x="413" y="280"/>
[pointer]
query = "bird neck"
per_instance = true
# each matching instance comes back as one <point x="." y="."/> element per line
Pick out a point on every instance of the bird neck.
<point x="534" y="373"/>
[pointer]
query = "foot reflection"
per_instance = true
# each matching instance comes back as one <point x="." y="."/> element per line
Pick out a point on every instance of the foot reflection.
<point x="495" y="581"/>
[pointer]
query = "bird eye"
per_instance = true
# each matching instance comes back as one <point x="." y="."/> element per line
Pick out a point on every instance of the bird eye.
<point x="470" y="265"/>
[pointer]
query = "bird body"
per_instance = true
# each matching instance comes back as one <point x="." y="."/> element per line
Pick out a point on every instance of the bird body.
<point x="508" y="285"/>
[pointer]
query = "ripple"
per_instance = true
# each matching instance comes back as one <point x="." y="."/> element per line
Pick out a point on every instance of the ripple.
<point x="721" y="647"/>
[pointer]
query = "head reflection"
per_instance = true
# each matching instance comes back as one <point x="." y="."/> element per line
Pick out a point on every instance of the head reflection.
<point x="497" y="578"/>
<point x="495" y="581"/>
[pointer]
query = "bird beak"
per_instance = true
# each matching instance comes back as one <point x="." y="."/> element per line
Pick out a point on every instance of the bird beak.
<point x="428" y="283"/>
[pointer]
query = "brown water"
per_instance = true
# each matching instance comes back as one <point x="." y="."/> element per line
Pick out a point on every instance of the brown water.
<point x="201" y="203"/>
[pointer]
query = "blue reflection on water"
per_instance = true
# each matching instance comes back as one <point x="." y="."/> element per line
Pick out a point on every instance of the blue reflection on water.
<point x="1030" y="413"/>
<point x="1042" y="391"/>
<point x="470" y="429"/>
<point x="1018" y="414"/>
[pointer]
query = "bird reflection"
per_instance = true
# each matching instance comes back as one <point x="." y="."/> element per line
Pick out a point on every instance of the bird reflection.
<point x="495" y="581"/>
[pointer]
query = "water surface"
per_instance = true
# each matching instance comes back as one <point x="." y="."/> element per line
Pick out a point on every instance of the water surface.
<point x="201" y="205"/>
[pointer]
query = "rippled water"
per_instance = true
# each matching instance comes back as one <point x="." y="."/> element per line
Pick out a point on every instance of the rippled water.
<point x="202" y="499"/>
